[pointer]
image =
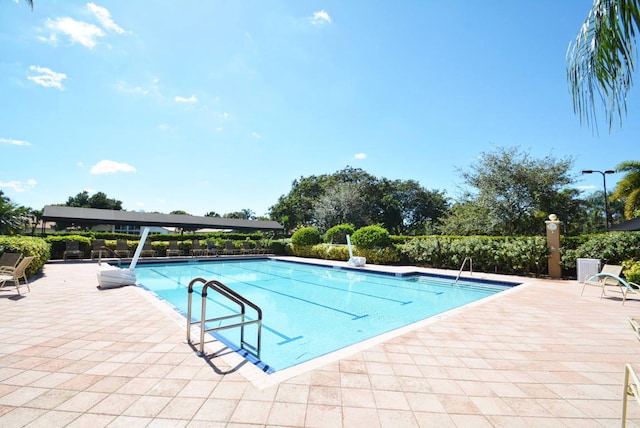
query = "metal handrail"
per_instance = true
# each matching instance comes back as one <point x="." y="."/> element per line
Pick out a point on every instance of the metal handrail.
<point x="236" y="298"/>
<point x="115" y="255"/>
<point x="464" y="262"/>
<point x="631" y="389"/>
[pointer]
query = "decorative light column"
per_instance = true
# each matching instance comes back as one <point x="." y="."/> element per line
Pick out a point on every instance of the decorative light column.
<point x="607" y="217"/>
<point x="553" y="245"/>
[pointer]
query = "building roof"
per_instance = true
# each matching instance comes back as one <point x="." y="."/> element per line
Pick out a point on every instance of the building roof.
<point x="133" y="218"/>
<point x="627" y="226"/>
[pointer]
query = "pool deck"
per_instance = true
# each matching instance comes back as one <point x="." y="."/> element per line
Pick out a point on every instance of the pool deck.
<point x="539" y="355"/>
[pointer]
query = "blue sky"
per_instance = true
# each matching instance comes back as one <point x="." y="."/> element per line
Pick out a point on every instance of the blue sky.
<point x="219" y="105"/>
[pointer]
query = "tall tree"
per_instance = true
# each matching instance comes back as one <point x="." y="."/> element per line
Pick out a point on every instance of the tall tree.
<point x="83" y="200"/>
<point x="515" y="190"/>
<point x="628" y="188"/>
<point x="602" y="59"/>
<point x="13" y="217"/>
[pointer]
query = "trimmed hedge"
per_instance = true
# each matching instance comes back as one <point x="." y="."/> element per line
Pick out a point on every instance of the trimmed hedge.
<point x="28" y="246"/>
<point x="306" y="236"/>
<point x="612" y="248"/>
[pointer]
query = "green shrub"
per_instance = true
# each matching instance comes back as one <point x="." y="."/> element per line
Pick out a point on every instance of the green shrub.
<point x="632" y="271"/>
<point x="58" y="245"/>
<point x="306" y="236"/>
<point x="371" y="237"/>
<point x="338" y="233"/>
<point x="611" y="248"/>
<point x="28" y="246"/>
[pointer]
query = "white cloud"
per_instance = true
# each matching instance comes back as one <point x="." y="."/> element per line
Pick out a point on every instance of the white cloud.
<point x="219" y="129"/>
<point x="256" y="135"/>
<point x="320" y="18"/>
<point x="224" y="115"/>
<point x="123" y="86"/>
<point x="19" y="186"/>
<point x="47" y="77"/>
<point x="191" y="99"/>
<point x="14" y="142"/>
<point x="80" y="164"/>
<point x="104" y="17"/>
<point x="360" y="155"/>
<point x="111" y="167"/>
<point x="163" y="127"/>
<point x="589" y="187"/>
<point x="79" y="32"/>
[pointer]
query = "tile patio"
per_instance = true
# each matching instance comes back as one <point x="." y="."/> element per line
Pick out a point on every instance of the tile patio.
<point x="539" y="355"/>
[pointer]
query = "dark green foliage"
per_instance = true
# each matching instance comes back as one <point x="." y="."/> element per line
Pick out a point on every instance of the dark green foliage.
<point x="338" y="233"/>
<point x="612" y="248"/>
<point x="370" y="237"/>
<point x="513" y="255"/>
<point x="57" y="243"/>
<point x="28" y="246"/>
<point x="306" y="236"/>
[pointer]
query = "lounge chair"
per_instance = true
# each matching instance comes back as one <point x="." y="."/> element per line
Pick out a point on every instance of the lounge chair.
<point x="625" y="287"/>
<point x="122" y="248"/>
<point x="246" y="248"/>
<point x="196" y="250"/>
<point x="173" y="249"/>
<point x="260" y="249"/>
<point x="229" y="248"/>
<point x="72" y="249"/>
<point x="147" y="250"/>
<point x="9" y="260"/>
<point x="212" y="250"/>
<point x="16" y="274"/>
<point x="99" y="248"/>
<point x="602" y="280"/>
<point x="631" y="389"/>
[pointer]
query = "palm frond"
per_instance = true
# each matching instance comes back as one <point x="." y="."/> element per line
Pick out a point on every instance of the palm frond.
<point x="602" y="60"/>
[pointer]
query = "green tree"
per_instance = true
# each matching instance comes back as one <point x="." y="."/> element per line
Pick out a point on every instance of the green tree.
<point x="98" y="200"/>
<point x="354" y="196"/>
<point x="13" y="217"/>
<point x="343" y="203"/>
<point x="514" y="191"/>
<point x="212" y="214"/>
<point x="244" y="214"/>
<point x="628" y="188"/>
<point x="602" y="59"/>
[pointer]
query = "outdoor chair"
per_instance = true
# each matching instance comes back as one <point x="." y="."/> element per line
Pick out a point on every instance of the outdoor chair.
<point x="122" y="248"/>
<point x="611" y="280"/>
<point x="229" y="248"/>
<point x="602" y="279"/>
<point x="196" y="250"/>
<point x="246" y="248"/>
<point x="173" y="249"/>
<point x="99" y="250"/>
<point x="259" y="248"/>
<point x="9" y="260"/>
<point x="72" y="249"/>
<point x="212" y="250"/>
<point x="147" y="250"/>
<point x="15" y="274"/>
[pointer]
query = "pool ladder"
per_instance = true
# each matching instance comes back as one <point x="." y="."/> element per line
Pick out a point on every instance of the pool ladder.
<point x="234" y="297"/>
<point x="464" y="262"/>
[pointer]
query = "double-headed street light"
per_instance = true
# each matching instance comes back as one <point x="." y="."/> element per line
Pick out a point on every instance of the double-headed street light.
<point x="606" y="200"/>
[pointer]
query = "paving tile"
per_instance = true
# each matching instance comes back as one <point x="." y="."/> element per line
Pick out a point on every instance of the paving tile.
<point x="528" y="358"/>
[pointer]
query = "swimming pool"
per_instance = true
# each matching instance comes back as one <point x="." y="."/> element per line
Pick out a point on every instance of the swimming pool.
<point x="310" y="310"/>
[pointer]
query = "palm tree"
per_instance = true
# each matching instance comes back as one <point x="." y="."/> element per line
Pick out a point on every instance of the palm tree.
<point x="629" y="188"/>
<point x="602" y="59"/>
<point x="12" y="217"/>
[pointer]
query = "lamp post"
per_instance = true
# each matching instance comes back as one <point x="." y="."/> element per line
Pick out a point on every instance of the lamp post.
<point x="606" y="200"/>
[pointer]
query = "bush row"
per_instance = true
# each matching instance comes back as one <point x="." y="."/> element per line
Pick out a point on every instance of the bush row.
<point x="28" y="246"/>
<point x="85" y="244"/>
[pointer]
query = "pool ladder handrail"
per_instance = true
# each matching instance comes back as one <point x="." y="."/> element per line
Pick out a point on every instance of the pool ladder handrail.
<point x="231" y="295"/>
<point x="107" y="249"/>
<point x="464" y="262"/>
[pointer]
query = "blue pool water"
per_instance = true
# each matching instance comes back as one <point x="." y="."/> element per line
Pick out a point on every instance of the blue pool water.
<point x="311" y="310"/>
